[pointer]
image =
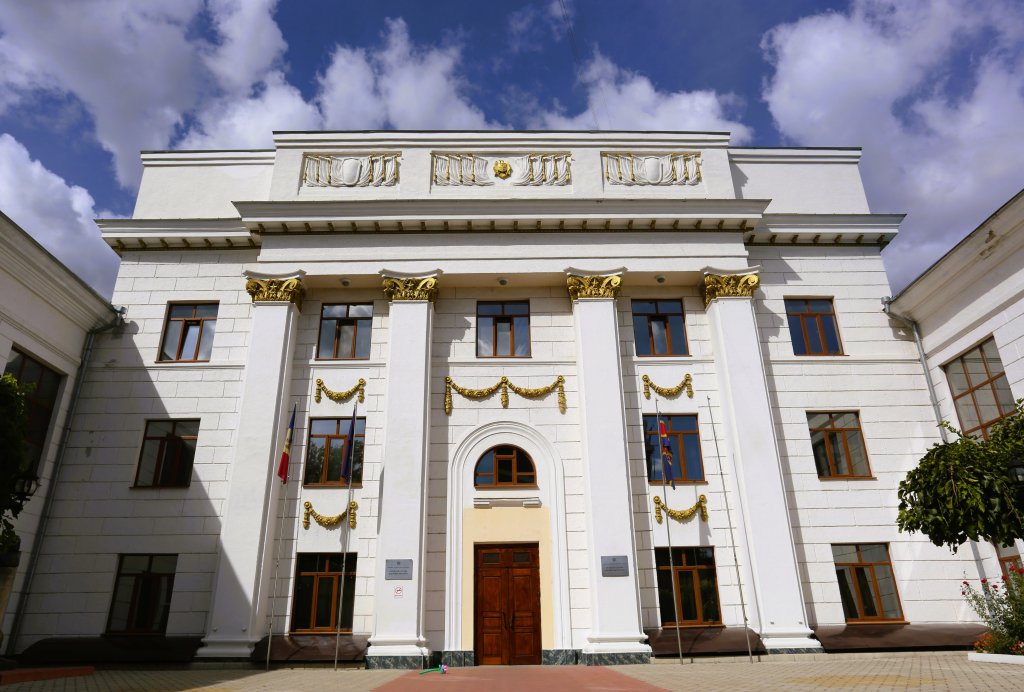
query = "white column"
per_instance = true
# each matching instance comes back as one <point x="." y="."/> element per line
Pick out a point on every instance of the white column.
<point x="743" y="388"/>
<point x="616" y="634"/>
<point x="398" y="639"/>
<point x="237" y="614"/>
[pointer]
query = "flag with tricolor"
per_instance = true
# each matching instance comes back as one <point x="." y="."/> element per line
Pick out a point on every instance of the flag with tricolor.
<point x="666" y="454"/>
<point x="282" y="468"/>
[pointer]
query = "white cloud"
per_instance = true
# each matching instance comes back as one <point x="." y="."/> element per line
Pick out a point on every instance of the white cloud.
<point x="887" y="76"/>
<point x="618" y="99"/>
<point x="59" y="216"/>
<point x="251" y="43"/>
<point x="531" y="27"/>
<point x="348" y="96"/>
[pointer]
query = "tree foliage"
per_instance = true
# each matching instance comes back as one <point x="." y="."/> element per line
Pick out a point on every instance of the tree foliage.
<point x="14" y="459"/>
<point x="962" y="489"/>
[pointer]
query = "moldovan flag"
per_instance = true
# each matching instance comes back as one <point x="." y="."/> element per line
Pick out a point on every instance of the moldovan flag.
<point x="282" y="468"/>
<point x="666" y="454"/>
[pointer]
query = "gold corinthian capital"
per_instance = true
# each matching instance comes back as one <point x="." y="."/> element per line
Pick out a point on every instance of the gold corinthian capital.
<point x="411" y="289"/>
<point x="732" y="285"/>
<point x="593" y="286"/>
<point x="267" y="290"/>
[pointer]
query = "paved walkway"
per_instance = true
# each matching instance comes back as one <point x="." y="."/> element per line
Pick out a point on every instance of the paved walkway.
<point x="918" y="672"/>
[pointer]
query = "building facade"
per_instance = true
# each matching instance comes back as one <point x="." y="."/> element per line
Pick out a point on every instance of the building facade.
<point x="481" y="336"/>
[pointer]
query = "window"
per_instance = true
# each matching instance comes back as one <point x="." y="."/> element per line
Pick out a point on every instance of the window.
<point x="188" y="332"/>
<point x="683" y="459"/>
<point x="838" y="445"/>
<point x="320" y="578"/>
<point x="503" y="330"/>
<point x="142" y="594"/>
<point x="327" y="451"/>
<point x="505" y="466"/>
<point x="168" y="450"/>
<point x="697" y="583"/>
<point x="345" y="331"/>
<point x="1009" y="562"/>
<point x="813" y="327"/>
<point x="866" y="584"/>
<point x="44" y="384"/>
<point x="658" y="328"/>
<point x="980" y="389"/>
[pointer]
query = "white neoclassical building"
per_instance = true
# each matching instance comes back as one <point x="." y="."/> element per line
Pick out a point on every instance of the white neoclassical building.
<point x="479" y="334"/>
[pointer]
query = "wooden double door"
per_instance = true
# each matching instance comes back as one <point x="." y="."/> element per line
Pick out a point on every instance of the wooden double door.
<point x="507" y="610"/>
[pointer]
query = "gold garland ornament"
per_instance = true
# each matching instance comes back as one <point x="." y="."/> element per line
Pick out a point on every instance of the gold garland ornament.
<point x="731" y="286"/>
<point x="329" y="522"/>
<point x="679" y="514"/>
<point x="411" y="289"/>
<point x="273" y="290"/>
<point x="593" y="286"/>
<point x="504" y="385"/>
<point x="360" y="388"/>
<point x="686" y="384"/>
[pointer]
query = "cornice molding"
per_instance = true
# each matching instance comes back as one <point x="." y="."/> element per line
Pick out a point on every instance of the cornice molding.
<point x="479" y="140"/>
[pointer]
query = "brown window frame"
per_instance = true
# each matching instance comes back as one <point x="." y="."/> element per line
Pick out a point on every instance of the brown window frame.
<point x="661" y="562"/>
<point x="516" y="473"/>
<point x="842" y="432"/>
<point x="39" y="406"/>
<point x="325" y="576"/>
<point x="163" y="441"/>
<point x="341" y="435"/>
<point x="1008" y="562"/>
<point x="814" y="317"/>
<point x="664" y="317"/>
<point x="651" y="452"/>
<point x="339" y="322"/>
<point x="871" y="567"/>
<point x="168" y="319"/>
<point x="139" y="580"/>
<point x="970" y="393"/>
<point x="508" y="319"/>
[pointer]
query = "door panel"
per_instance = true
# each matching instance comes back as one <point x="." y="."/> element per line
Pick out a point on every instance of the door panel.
<point x="507" y="605"/>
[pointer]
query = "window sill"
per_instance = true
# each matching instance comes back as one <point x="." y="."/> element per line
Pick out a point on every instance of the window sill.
<point x="486" y="498"/>
<point x="659" y="357"/>
<point x="332" y="486"/>
<point x="847" y="478"/>
<point x="161" y="487"/>
<point x="322" y="631"/>
<point x="678" y="482"/>
<point x="701" y="626"/>
<point x="181" y="362"/>
<point x="877" y="622"/>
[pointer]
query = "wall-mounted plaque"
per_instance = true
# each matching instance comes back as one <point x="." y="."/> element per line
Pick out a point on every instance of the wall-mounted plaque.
<point x="398" y="569"/>
<point x="614" y="566"/>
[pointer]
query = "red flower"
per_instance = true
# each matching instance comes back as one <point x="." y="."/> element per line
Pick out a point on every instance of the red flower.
<point x="984" y="581"/>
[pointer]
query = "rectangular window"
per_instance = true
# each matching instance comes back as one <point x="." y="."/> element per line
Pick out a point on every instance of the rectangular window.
<point x="838" y="445"/>
<point x="659" y="328"/>
<point x="981" y="392"/>
<point x="866" y="583"/>
<point x="696" y="601"/>
<point x="188" y="332"/>
<point x="345" y="331"/>
<point x="142" y="594"/>
<point x="682" y="458"/>
<point x="503" y="330"/>
<point x="813" y="327"/>
<point x="40" y="401"/>
<point x="327" y="451"/>
<point x="320" y="579"/>
<point x="168" y="450"/>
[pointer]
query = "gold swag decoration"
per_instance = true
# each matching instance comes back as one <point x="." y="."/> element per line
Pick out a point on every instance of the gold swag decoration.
<point x="329" y="522"/>
<point x="504" y="385"/>
<point x="734" y="285"/>
<point x="686" y="384"/>
<point x="593" y="286"/>
<point x="360" y="388"/>
<point x="679" y="514"/>
<point x="410" y="289"/>
<point x="269" y="290"/>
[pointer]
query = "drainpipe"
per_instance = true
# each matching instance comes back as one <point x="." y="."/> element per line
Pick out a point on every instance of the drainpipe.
<point x="44" y="518"/>
<point x="886" y="308"/>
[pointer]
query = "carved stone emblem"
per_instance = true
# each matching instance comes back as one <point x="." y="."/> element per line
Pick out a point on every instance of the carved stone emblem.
<point x="411" y="289"/>
<point x="374" y="170"/>
<point x="593" y="286"/>
<point x="732" y="286"/>
<point x="502" y="169"/>
<point x="274" y="290"/>
<point x="642" y="169"/>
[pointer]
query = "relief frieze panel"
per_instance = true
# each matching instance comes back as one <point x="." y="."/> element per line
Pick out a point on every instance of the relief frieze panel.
<point x="534" y="169"/>
<point x="332" y="170"/>
<point x="679" y="168"/>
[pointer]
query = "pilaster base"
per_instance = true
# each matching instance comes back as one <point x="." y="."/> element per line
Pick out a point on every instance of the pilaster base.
<point x="620" y="659"/>
<point x="559" y="657"/>
<point x="396" y="662"/>
<point x="397" y="652"/>
<point x="615" y="650"/>
<point x="226" y="649"/>
<point x="798" y="641"/>
<point x="458" y="659"/>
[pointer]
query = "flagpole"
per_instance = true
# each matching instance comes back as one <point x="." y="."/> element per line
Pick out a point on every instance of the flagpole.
<point x="732" y="535"/>
<point x="668" y="528"/>
<point x="350" y="458"/>
<point x="280" y="531"/>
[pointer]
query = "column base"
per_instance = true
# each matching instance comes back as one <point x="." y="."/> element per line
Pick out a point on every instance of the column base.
<point x="615" y="650"/>
<point x="458" y="659"/>
<point x="397" y="653"/>
<point x="384" y="662"/>
<point x="226" y="649"/>
<point x="559" y="657"/>
<point x="798" y="640"/>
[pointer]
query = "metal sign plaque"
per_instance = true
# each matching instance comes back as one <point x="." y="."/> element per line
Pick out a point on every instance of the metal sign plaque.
<point x="614" y="566"/>
<point x="398" y="569"/>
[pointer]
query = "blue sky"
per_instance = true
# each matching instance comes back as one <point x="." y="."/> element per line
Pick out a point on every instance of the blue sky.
<point x="933" y="90"/>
